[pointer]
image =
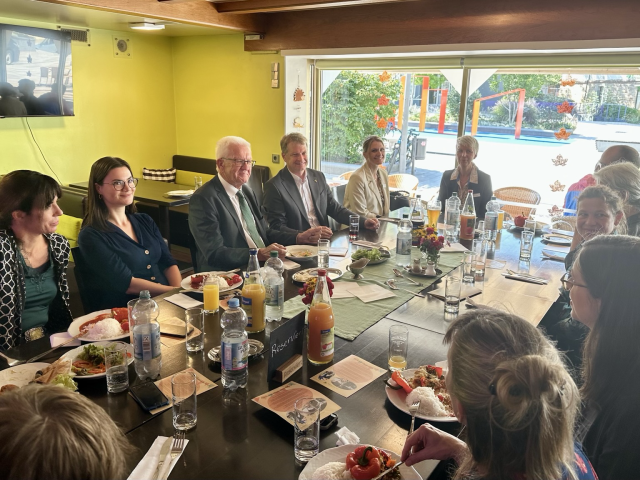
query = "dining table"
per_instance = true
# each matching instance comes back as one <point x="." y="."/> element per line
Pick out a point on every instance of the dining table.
<point x="235" y="438"/>
<point x="155" y="193"/>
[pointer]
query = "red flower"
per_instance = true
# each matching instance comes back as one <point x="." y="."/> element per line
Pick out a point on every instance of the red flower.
<point x="430" y="231"/>
<point x="306" y="300"/>
<point x="441" y="239"/>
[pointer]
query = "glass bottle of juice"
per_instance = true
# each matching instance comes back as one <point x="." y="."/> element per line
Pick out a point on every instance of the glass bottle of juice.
<point x="320" y="331"/>
<point x="468" y="218"/>
<point x="253" y="295"/>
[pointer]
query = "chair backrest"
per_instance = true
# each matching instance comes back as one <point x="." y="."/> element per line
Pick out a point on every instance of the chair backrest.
<point x="193" y="250"/>
<point x="346" y="175"/>
<point x="86" y="295"/>
<point x="73" y="201"/>
<point x="403" y="181"/>
<point x="518" y="194"/>
<point x="69" y="227"/>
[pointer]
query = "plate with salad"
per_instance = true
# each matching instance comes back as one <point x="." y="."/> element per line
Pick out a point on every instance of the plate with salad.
<point x="87" y="361"/>
<point x="375" y="255"/>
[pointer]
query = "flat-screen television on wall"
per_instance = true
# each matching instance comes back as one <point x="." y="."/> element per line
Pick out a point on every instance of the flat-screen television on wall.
<point x="35" y="72"/>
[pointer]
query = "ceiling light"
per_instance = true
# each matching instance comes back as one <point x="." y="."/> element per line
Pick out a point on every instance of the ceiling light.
<point x="146" y="26"/>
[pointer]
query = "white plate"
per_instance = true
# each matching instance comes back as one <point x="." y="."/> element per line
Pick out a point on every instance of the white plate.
<point x="398" y="398"/>
<point x="72" y="355"/>
<point x="339" y="454"/>
<point x="557" y="239"/>
<point x="180" y="193"/>
<point x="333" y="274"/>
<point x="74" y="328"/>
<point x="20" y="375"/>
<point x="186" y="282"/>
<point x="293" y="252"/>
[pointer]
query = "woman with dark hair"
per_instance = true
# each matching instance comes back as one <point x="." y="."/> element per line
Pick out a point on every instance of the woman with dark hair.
<point x="122" y="252"/>
<point x="34" y="294"/>
<point x="604" y="296"/>
<point x="510" y="389"/>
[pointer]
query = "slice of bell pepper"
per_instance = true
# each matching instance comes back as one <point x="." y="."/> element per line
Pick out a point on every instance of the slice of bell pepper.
<point x="397" y="377"/>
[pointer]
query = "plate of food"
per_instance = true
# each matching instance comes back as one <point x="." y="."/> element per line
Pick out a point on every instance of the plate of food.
<point x="339" y="463"/>
<point x="110" y="324"/>
<point x="375" y="255"/>
<point x="557" y="238"/>
<point x="180" y="193"/>
<point x="56" y="373"/>
<point x="426" y="384"/>
<point x="87" y="361"/>
<point x="255" y="348"/>
<point x="226" y="281"/>
<point x="303" y="276"/>
<point x="302" y="252"/>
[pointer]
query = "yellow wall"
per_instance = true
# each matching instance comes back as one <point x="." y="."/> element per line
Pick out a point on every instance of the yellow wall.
<point x="123" y="107"/>
<point x="222" y="90"/>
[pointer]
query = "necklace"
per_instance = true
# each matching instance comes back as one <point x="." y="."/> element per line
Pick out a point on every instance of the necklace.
<point x="25" y="256"/>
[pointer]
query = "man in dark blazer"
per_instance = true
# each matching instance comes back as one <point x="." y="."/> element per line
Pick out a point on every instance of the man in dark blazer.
<point x="224" y="215"/>
<point x="298" y="198"/>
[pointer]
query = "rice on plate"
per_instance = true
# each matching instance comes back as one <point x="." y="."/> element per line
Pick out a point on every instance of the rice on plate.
<point x="332" y="471"/>
<point x="107" y="328"/>
<point x="430" y="405"/>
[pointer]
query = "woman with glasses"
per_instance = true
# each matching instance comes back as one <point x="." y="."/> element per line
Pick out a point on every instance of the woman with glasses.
<point x="604" y="296"/>
<point x="34" y="295"/>
<point x="121" y="252"/>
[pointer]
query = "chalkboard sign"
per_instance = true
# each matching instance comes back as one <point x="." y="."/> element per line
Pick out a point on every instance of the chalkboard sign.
<point x="286" y="341"/>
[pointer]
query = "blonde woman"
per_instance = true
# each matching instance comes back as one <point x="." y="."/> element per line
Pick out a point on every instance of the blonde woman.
<point x="624" y="179"/>
<point x="510" y="389"/>
<point x="367" y="192"/>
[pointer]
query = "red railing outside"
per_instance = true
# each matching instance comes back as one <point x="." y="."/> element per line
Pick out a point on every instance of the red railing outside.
<point x="476" y="110"/>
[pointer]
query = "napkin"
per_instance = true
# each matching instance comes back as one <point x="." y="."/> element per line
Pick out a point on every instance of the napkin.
<point x="364" y="243"/>
<point x="183" y="301"/>
<point x="289" y="265"/>
<point x="341" y="290"/>
<point x="58" y="338"/>
<point x="147" y="466"/>
<point x="338" y="251"/>
<point x="370" y="293"/>
<point x="453" y="248"/>
<point x="346" y="437"/>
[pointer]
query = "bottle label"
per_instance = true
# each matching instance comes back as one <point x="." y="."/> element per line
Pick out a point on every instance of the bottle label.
<point x="453" y="217"/>
<point x="491" y="221"/>
<point x="403" y="246"/>
<point x="272" y="295"/>
<point x="247" y="306"/>
<point x="146" y="342"/>
<point x="326" y="342"/>
<point x="469" y="226"/>
<point x="234" y="355"/>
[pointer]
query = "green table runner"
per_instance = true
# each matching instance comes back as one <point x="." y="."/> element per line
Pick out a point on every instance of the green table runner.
<point x="352" y="316"/>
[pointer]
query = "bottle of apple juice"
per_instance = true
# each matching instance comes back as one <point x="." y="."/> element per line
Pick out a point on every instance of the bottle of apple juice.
<point x="320" y="330"/>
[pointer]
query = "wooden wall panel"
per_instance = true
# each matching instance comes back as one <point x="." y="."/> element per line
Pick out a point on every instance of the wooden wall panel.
<point x="438" y="22"/>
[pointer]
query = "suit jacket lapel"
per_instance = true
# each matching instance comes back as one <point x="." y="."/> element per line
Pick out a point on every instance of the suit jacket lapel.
<point x="373" y="185"/>
<point x="315" y="187"/>
<point x="224" y="198"/>
<point x="292" y="189"/>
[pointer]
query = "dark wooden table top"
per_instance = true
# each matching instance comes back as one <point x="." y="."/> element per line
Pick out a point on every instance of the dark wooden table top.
<point x="153" y="192"/>
<point x="236" y="438"/>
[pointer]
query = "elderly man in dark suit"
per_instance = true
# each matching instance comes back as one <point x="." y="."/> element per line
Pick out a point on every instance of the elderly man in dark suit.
<point x="298" y="198"/>
<point x="224" y="215"/>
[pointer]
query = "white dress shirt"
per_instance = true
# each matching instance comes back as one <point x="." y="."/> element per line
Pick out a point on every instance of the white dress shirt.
<point x="232" y="191"/>
<point x="307" y="200"/>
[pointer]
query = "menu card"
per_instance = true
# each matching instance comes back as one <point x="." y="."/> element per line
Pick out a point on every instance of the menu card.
<point x="170" y="341"/>
<point x="369" y="293"/>
<point x="282" y="399"/>
<point x="203" y="384"/>
<point x="349" y="375"/>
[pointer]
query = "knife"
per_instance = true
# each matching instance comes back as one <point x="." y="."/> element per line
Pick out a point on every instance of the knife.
<point x="164" y="451"/>
<point x="527" y="279"/>
<point x="387" y="471"/>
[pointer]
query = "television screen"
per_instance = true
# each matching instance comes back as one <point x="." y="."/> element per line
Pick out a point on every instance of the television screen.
<point x="35" y="72"/>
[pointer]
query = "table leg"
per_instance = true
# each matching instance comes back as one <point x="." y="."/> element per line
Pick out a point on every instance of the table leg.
<point x="163" y="223"/>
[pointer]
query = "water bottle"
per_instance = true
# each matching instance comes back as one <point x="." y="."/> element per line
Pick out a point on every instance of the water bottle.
<point x="146" y="337"/>
<point x="452" y="217"/>
<point x="403" y="242"/>
<point x="491" y="218"/>
<point x="274" y="288"/>
<point x="234" y="346"/>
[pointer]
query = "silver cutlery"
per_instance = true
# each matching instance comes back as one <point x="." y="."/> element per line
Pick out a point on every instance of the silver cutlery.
<point x="392" y="285"/>
<point x="387" y="471"/>
<point x="413" y="410"/>
<point x="177" y="446"/>
<point x="399" y="274"/>
<point x="164" y="451"/>
<point x="526" y="279"/>
<point x="12" y="362"/>
<point x="526" y="275"/>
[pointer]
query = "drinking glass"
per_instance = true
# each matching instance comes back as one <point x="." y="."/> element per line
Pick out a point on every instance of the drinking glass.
<point x="197" y="182"/>
<point x="452" y="295"/>
<point x="323" y="253"/>
<point x="479" y="247"/>
<point x="480" y="227"/>
<point x="194" y="318"/>
<point x="469" y="267"/>
<point x="117" y="367"/>
<point x="398" y="346"/>
<point x="211" y="294"/>
<point x="130" y="305"/>
<point x="183" y="394"/>
<point x="530" y="225"/>
<point x="307" y="429"/>
<point x="433" y="212"/>
<point x="354" y="227"/>
<point x="526" y="245"/>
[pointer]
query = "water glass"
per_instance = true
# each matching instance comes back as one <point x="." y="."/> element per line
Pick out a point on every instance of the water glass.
<point x="469" y="267"/>
<point x="530" y="225"/>
<point x="452" y="295"/>
<point x="197" y="182"/>
<point x="354" y="227"/>
<point x="117" y="367"/>
<point x="398" y="346"/>
<point x="526" y="245"/>
<point x="480" y="228"/>
<point x="130" y="305"/>
<point x="307" y="429"/>
<point x="183" y="394"/>
<point x="194" y="318"/>
<point x="323" y="253"/>
<point x="479" y="247"/>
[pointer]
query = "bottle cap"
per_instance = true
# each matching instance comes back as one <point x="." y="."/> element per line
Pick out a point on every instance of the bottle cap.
<point x="274" y="254"/>
<point x="234" y="303"/>
<point x="322" y="272"/>
<point x="493" y="197"/>
<point x="253" y="251"/>
<point x="145" y="294"/>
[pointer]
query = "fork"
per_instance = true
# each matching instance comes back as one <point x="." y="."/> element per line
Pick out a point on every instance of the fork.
<point x="176" y="449"/>
<point x="12" y="362"/>
<point x="413" y="409"/>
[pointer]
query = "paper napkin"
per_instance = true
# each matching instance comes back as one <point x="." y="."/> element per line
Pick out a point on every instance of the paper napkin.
<point x="146" y="469"/>
<point x="453" y="248"/>
<point x="183" y="301"/>
<point x="346" y="437"/>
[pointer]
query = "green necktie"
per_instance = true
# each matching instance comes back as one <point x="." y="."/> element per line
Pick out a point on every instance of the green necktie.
<point x="249" y="220"/>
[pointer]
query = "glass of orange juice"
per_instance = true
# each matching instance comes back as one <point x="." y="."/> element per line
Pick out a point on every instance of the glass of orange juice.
<point x="500" y="219"/>
<point x="398" y="346"/>
<point x="253" y="303"/>
<point x="211" y="293"/>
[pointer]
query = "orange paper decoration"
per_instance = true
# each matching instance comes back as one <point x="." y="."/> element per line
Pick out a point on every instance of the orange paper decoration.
<point x="383" y="100"/>
<point x="381" y="123"/>
<point x="565" y="107"/>
<point x="562" y="134"/>
<point x="569" y="82"/>
<point x="384" y="76"/>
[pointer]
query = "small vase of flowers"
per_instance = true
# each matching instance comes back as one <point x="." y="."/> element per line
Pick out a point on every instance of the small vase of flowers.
<point x="430" y="245"/>
<point x="309" y="288"/>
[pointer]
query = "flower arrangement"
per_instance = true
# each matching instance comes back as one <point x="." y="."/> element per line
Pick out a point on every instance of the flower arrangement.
<point x="309" y="288"/>
<point x="430" y="243"/>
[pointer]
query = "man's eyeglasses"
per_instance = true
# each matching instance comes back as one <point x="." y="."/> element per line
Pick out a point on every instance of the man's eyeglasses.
<point x="119" y="184"/>
<point x="568" y="283"/>
<point x="239" y="162"/>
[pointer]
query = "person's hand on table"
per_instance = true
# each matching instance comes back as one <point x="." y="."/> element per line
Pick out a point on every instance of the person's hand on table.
<point x="311" y="236"/>
<point x="264" y="253"/>
<point x="430" y="443"/>
<point x="371" y="224"/>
